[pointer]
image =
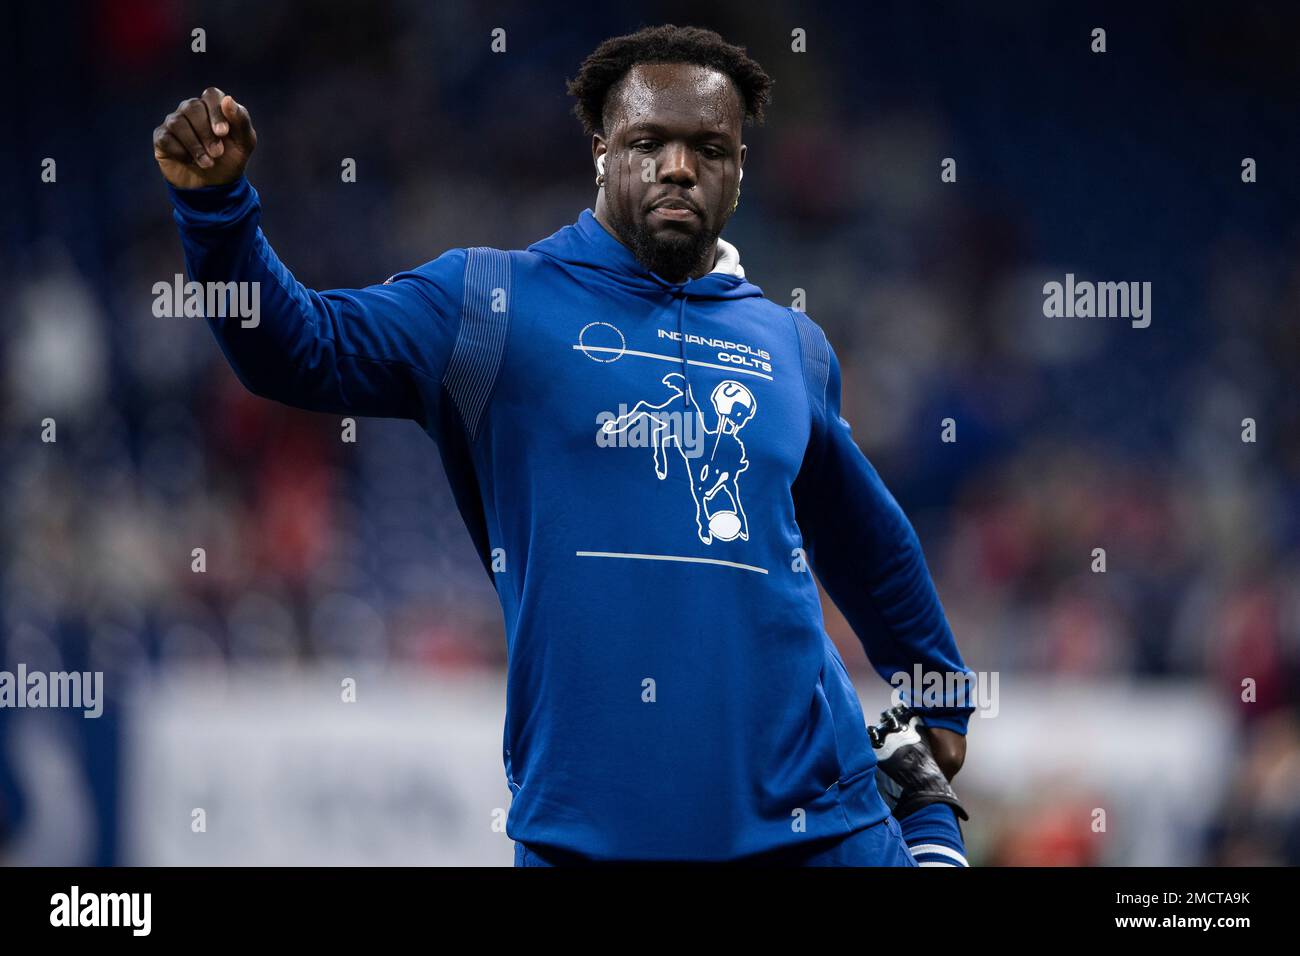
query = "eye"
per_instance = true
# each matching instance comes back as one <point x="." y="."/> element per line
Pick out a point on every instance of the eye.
<point x="713" y="152"/>
<point x="644" y="145"/>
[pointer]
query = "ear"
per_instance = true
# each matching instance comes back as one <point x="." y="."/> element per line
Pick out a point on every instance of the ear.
<point x="598" y="151"/>
<point x="743" y="151"/>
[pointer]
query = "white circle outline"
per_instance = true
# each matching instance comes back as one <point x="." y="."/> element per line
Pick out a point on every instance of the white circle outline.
<point x="621" y="349"/>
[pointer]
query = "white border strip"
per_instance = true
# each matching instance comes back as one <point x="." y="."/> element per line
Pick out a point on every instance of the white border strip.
<point x="939" y="850"/>
<point x="670" y="557"/>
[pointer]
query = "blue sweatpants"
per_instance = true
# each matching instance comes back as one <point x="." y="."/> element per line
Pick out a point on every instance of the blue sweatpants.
<point x="879" y="845"/>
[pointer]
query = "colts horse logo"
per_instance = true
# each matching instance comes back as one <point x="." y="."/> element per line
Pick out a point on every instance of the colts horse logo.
<point x="716" y="468"/>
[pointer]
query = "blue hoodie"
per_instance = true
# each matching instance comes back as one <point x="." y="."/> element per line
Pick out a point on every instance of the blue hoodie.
<point x="648" y="471"/>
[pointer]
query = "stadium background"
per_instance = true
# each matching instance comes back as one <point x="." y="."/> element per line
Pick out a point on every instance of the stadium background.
<point x="1119" y="691"/>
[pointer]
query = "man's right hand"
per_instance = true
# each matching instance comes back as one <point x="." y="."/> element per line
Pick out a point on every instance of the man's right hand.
<point x="206" y="142"/>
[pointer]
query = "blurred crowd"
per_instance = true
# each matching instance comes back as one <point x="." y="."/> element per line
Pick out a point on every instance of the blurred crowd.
<point x="1072" y="434"/>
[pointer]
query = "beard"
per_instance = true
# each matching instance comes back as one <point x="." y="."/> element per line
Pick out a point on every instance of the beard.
<point x="668" y="253"/>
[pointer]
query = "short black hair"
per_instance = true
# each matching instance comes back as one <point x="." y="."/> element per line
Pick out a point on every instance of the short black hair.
<point x="609" y="63"/>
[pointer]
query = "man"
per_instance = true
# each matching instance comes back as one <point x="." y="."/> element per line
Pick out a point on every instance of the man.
<point x="671" y="694"/>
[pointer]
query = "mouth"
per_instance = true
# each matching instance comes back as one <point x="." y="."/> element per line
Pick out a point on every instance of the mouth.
<point x="674" y="210"/>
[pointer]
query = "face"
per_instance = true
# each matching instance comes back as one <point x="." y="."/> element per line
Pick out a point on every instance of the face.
<point x="672" y="164"/>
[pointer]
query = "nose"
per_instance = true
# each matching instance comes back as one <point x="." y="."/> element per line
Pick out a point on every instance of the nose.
<point x="678" y="166"/>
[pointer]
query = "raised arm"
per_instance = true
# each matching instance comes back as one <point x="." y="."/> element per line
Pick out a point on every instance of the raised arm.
<point x="378" y="351"/>
<point x="867" y="555"/>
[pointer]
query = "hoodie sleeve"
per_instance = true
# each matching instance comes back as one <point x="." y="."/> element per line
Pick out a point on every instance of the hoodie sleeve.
<point x="379" y="351"/>
<point x="866" y="553"/>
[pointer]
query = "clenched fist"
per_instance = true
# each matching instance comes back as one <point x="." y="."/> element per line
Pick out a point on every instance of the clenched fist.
<point x="206" y="142"/>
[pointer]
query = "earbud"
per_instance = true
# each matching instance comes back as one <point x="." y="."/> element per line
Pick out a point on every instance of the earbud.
<point x="742" y="175"/>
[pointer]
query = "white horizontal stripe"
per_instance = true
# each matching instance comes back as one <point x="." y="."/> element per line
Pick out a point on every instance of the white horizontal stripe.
<point x="939" y="850"/>
<point x="949" y="866"/>
<point x="671" y="358"/>
<point x="670" y="557"/>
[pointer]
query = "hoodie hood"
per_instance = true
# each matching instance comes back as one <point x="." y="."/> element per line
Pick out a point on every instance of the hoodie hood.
<point x="592" y="255"/>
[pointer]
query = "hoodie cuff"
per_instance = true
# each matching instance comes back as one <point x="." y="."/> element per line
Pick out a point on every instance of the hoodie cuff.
<point x="213" y="205"/>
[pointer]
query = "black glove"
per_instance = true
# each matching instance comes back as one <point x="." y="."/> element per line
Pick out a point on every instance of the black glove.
<point x="908" y="777"/>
